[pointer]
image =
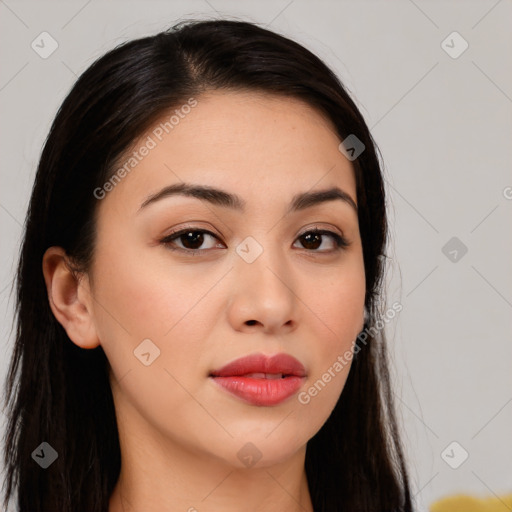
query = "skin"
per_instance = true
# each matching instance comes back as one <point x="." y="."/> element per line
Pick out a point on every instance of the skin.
<point x="179" y="432"/>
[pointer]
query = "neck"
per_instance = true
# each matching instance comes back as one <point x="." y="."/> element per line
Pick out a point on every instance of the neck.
<point x="158" y="473"/>
<point x="154" y="484"/>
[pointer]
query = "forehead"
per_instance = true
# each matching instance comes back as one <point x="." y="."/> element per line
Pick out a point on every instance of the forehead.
<point x="251" y="143"/>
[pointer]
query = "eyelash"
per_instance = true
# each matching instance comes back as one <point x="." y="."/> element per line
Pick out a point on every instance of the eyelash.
<point x="340" y="242"/>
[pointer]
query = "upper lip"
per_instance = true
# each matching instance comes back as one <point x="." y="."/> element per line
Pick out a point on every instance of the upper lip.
<point x="260" y="363"/>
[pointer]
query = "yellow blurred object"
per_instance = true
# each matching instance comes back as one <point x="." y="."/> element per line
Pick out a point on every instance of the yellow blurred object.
<point x="464" y="503"/>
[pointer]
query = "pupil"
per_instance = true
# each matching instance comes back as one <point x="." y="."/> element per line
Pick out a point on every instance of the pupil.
<point x="194" y="238"/>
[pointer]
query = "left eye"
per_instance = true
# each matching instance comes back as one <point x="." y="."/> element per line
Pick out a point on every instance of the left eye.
<point x="313" y="237"/>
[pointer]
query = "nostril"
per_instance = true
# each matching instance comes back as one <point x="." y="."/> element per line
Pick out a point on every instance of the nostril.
<point x="251" y="322"/>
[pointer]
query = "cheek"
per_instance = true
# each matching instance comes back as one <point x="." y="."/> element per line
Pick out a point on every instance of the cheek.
<point x="337" y="318"/>
<point x="141" y="298"/>
<point x="338" y="304"/>
<point x="150" y="300"/>
<point x="147" y="296"/>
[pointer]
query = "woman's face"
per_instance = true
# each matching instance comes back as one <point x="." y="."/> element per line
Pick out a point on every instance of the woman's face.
<point x="259" y="282"/>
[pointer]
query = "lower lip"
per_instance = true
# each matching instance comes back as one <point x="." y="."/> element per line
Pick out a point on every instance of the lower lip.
<point x="261" y="391"/>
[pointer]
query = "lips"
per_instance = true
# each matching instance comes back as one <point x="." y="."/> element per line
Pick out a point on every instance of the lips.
<point x="283" y="364"/>
<point x="261" y="380"/>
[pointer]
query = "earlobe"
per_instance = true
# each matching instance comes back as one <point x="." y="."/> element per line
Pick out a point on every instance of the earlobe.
<point x="70" y="299"/>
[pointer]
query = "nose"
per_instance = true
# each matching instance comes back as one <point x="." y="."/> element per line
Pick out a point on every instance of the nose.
<point x="263" y="296"/>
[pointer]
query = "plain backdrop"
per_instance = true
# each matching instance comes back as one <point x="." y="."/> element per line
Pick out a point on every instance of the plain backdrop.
<point x="441" y="115"/>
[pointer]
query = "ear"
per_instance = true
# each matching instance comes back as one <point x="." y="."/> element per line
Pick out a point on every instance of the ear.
<point x="70" y="298"/>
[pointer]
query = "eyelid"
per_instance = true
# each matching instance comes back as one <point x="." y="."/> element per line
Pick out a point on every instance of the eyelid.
<point x="189" y="226"/>
<point x="319" y="227"/>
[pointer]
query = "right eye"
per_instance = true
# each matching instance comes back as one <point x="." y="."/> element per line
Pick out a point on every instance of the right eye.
<point x="190" y="239"/>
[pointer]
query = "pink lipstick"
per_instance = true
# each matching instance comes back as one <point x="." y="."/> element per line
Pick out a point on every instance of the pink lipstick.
<point x="261" y="380"/>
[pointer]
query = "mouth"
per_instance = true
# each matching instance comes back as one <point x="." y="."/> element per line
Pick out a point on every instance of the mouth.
<point x="261" y="380"/>
<point x="266" y="375"/>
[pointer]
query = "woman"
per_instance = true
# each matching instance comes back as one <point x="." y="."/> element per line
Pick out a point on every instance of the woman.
<point x="203" y="251"/>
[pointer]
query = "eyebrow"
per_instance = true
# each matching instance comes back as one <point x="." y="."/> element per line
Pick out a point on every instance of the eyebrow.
<point x="228" y="200"/>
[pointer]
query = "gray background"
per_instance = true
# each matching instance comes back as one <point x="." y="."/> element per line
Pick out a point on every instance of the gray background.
<point x="444" y="127"/>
